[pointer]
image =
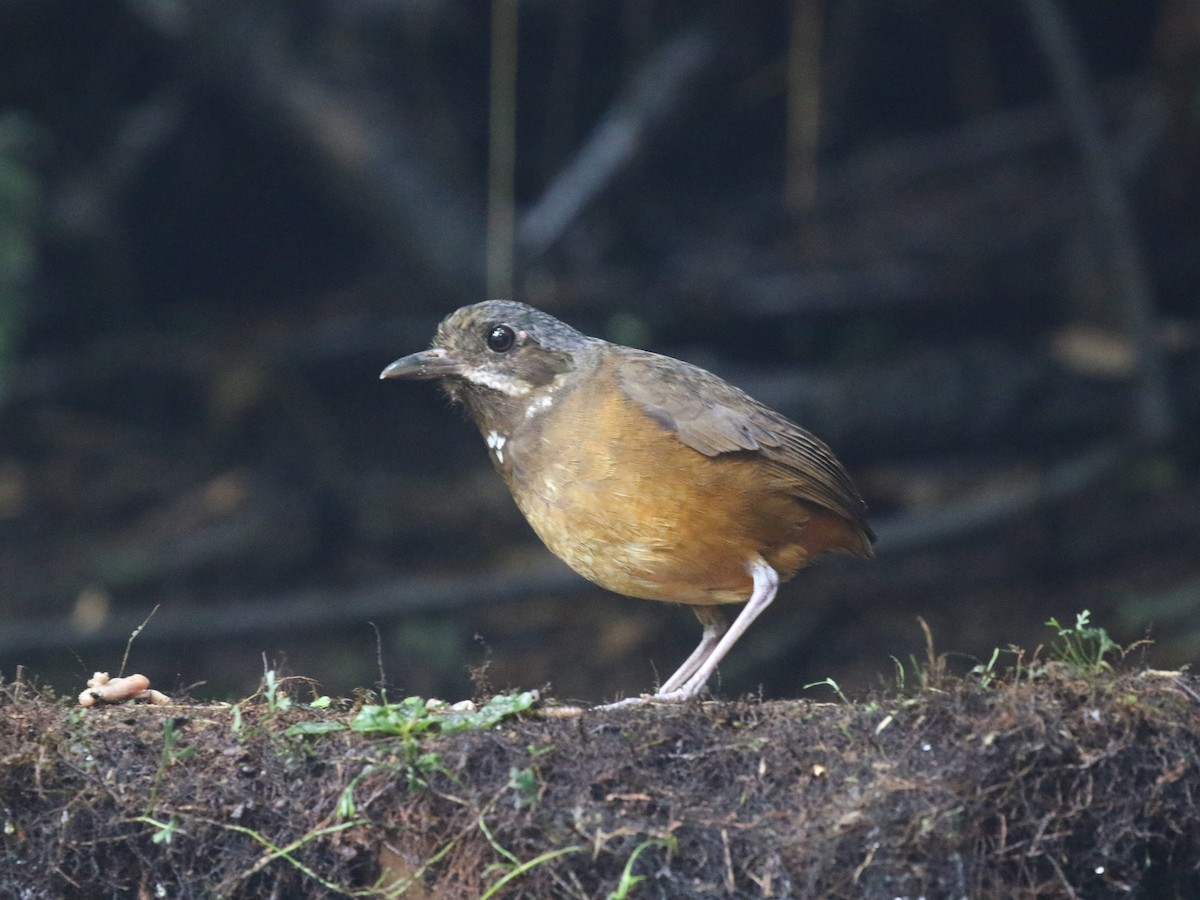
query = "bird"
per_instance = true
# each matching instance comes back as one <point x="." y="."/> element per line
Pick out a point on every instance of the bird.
<point x="649" y="476"/>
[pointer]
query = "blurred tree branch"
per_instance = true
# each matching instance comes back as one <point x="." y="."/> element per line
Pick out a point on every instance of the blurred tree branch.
<point x="660" y="89"/>
<point x="1113" y="221"/>
<point x="368" y="152"/>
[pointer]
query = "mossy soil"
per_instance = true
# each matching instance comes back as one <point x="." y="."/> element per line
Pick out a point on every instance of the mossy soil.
<point x="1056" y="785"/>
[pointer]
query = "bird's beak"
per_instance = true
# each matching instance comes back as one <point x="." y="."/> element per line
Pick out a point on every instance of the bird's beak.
<point x="435" y="362"/>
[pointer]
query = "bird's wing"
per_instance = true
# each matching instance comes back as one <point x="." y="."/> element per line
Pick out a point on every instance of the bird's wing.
<point x="713" y="417"/>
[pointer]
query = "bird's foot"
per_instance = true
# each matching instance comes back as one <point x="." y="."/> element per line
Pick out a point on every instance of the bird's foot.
<point x="661" y="697"/>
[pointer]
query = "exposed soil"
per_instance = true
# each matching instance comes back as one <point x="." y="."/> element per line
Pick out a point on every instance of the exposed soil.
<point x="1051" y="785"/>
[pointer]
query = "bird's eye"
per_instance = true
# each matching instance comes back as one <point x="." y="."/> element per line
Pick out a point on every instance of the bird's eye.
<point x="501" y="338"/>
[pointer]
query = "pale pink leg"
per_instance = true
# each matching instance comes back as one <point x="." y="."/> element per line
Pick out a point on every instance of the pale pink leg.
<point x="766" y="583"/>
<point x="715" y="626"/>
<point x="693" y="675"/>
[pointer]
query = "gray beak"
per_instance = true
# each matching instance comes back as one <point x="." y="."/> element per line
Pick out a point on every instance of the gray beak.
<point x="433" y="363"/>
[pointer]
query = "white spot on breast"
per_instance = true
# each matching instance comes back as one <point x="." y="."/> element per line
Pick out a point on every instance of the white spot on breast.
<point x="496" y="442"/>
<point x="541" y="404"/>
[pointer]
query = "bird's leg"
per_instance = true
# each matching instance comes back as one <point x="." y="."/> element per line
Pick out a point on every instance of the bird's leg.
<point x="691" y="677"/>
<point x="766" y="583"/>
<point x="715" y="625"/>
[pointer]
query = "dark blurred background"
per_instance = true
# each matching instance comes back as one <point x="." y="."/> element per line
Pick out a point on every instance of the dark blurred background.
<point x="958" y="241"/>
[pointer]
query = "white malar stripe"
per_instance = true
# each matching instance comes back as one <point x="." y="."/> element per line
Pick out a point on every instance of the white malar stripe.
<point x="497" y="381"/>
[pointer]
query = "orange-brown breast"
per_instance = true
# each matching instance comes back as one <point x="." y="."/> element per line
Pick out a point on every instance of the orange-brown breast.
<point x="625" y="503"/>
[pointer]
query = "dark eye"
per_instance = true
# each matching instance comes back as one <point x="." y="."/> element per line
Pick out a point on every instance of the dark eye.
<point x="501" y="338"/>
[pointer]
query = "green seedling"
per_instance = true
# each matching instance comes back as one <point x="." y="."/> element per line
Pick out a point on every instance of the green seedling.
<point x="163" y="831"/>
<point x="1083" y="646"/>
<point x="514" y="867"/>
<point x="277" y="700"/>
<point x="829" y="682"/>
<point x="628" y="880"/>
<point x="171" y="754"/>
<point x="524" y="783"/>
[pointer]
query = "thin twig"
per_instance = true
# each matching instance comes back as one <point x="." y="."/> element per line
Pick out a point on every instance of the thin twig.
<point x="382" y="684"/>
<point x="136" y="632"/>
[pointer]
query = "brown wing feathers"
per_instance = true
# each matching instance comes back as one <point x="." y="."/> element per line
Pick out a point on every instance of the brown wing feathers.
<point x="713" y="417"/>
